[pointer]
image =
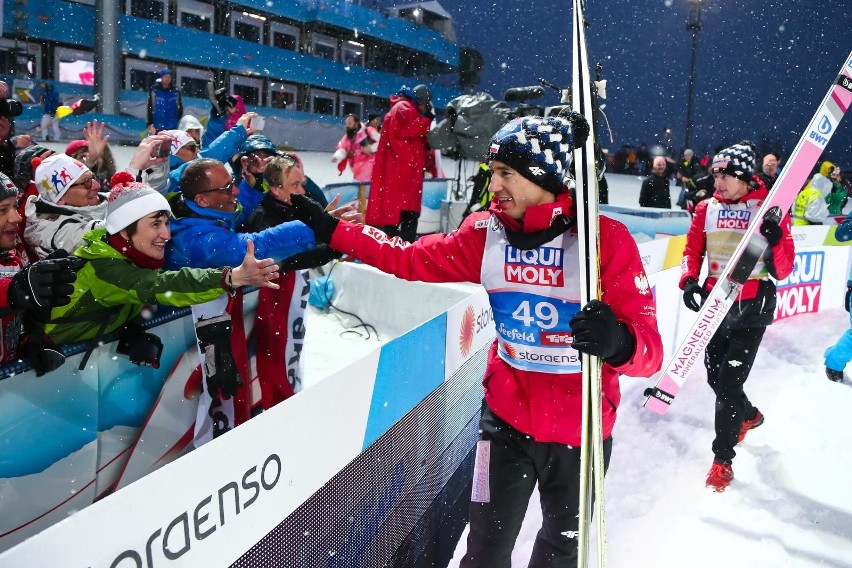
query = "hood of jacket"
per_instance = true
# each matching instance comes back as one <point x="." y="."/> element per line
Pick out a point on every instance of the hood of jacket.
<point x="95" y="247"/>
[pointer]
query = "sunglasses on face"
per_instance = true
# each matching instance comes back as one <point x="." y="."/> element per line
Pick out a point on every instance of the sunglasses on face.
<point x="223" y="189"/>
<point x="86" y="183"/>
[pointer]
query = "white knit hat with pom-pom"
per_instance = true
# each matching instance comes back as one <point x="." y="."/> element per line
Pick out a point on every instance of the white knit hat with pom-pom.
<point x="130" y="201"/>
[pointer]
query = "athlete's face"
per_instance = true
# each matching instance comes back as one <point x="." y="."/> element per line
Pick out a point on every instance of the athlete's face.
<point x="513" y="193"/>
<point x="730" y="187"/>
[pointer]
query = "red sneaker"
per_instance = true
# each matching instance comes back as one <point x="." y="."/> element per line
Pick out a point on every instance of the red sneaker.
<point x="750" y="424"/>
<point x="719" y="476"/>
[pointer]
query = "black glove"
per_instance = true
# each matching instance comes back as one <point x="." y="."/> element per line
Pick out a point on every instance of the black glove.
<point x="771" y="231"/>
<point x="142" y="348"/>
<point x="214" y="339"/>
<point x="220" y="100"/>
<point x="848" y="297"/>
<point x="529" y="241"/>
<point x="314" y="216"/>
<point x="579" y="126"/>
<point x="42" y="354"/>
<point x="690" y="288"/>
<point x="309" y="259"/>
<point x="597" y="332"/>
<point x="46" y="283"/>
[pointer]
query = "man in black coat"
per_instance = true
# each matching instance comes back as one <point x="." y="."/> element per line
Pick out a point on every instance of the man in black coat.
<point x="656" y="189"/>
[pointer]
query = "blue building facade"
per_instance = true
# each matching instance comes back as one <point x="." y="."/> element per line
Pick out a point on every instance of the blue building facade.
<point x="291" y="60"/>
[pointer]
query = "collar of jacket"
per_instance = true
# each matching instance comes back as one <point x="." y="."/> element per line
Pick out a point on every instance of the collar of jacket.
<point x="269" y="201"/>
<point x="537" y="217"/>
<point x="224" y="218"/>
<point x="95" y="246"/>
<point x="759" y="192"/>
<point x="44" y="207"/>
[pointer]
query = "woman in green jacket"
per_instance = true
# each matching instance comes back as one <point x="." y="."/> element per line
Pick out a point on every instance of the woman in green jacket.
<point x="124" y="272"/>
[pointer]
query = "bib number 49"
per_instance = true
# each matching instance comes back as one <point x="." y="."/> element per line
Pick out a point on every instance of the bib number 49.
<point x="542" y="314"/>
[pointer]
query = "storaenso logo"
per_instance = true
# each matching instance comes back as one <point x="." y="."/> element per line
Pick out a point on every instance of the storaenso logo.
<point x="177" y="539"/>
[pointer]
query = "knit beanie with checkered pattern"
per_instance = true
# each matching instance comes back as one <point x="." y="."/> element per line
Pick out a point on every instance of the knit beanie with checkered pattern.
<point x="738" y="161"/>
<point x="537" y="148"/>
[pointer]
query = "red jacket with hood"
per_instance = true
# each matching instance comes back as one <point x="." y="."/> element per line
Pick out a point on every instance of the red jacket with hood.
<point x="397" y="181"/>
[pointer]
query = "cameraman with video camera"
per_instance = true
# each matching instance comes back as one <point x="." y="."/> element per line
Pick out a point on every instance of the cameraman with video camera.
<point x="9" y="109"/>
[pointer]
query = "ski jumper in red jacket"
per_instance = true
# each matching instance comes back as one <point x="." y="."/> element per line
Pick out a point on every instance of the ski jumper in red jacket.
<point x="525" y="253"/>
<point x="717" y="228"/>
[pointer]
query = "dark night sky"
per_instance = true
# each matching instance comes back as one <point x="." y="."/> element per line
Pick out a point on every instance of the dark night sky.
<point x="763" y="65"/>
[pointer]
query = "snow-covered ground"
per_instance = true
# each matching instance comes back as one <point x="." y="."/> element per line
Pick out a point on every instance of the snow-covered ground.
<point x="790" y="504"/>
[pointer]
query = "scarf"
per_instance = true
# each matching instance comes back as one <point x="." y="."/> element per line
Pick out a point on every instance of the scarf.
<point x="133" y="254"/>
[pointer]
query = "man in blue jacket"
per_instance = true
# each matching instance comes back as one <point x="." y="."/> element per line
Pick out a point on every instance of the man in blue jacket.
<point x="165" y="106"/>
<point x="204" y="218"/>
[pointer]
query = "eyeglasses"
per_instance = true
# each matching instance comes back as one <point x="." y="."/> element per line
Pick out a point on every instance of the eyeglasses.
<point x="223" y="189"/>
<point x="86" y="183"/>
<point x="190" y="147"/>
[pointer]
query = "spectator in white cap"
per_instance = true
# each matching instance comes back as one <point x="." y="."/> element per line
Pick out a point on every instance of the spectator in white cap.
<point x="123" y="269"/>
<point x="67" y="206"/>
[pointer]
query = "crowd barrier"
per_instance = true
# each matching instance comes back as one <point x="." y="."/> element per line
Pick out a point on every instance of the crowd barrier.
<point x="369" y="467"/>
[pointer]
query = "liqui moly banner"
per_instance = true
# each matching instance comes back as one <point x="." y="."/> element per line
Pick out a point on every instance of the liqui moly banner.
<point x="800" y="292"/>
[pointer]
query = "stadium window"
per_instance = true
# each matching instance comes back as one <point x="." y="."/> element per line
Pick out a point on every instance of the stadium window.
<point x="247" y="26"/>
<point x="248" y="88"/>
<point x="324" y="46"/>
<point x="323" y="102"/>
<point x="193" y="82"/>
<point x="140" y="75"/>
<point x="353" y="53"/>
<point x="282" y="95"/>
<point x="283" y="36"/>
<point x="148" y="9"/>
<point x="195" y="15"/>
<point x="350" y="104"/>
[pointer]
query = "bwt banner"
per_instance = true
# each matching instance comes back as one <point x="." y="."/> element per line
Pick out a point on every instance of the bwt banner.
<point x="799" y="293"/>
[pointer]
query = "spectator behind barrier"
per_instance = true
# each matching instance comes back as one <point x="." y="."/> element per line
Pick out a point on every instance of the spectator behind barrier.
<point x="68" y="206"/>
<point x="31" y="288"/>
<point x="123" y="268"/>
<point x="186" y="149"/>
<point x="205" y="217"/>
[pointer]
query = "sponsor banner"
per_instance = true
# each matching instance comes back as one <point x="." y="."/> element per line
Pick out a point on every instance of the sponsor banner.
<point x="799" y="293"/>
<point x="205" y="510"/>
<point x="470" y="326"/>
<point x="653" y="254"/>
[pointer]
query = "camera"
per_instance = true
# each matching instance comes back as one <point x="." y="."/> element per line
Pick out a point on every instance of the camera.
<point x="10" y="108"/>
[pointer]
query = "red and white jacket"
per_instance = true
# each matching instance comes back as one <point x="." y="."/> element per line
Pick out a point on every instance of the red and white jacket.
<point x="716" y="230"/>
<point x="11" y="262"/>
<point x="359" y="152"/>
<point x="538" y="394"/>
